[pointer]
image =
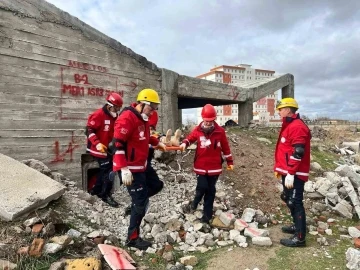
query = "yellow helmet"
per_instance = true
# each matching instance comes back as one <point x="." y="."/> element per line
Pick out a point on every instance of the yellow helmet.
<point x="149" y="95"/>
<point x="287" y="102"/>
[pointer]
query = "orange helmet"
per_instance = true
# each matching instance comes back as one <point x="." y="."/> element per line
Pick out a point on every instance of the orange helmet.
<point x="114" y="99"/>
<point x="208" y="113"/>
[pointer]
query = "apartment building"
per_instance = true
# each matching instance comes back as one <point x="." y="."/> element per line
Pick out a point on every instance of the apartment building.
<point x="263" y="109"/>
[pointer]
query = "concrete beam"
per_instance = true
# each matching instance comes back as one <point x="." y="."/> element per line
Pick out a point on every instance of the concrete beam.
<point x="266" y="88"/>
<point x="207" y="90"/>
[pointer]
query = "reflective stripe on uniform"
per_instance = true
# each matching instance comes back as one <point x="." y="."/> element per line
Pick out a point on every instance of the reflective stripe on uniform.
<point x="297" y="173"/>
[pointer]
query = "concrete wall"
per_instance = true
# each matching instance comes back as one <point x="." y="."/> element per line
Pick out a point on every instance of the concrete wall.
<point x="52" y="76"/>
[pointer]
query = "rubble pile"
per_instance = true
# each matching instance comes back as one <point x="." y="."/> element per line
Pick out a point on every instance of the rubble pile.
<point x="319" y="132"/>
<point x="170" y="225"/>
<point x="167" y="223"/>
<point x="339" y="189"/>
<point x="349" y="152"/>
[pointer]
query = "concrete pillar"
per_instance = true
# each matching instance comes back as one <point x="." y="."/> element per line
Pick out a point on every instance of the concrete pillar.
<point x="288" y="91"/>
<point x="179" y="123"/>
<point x="169" y="112"/>
<point x="245" y="113"/>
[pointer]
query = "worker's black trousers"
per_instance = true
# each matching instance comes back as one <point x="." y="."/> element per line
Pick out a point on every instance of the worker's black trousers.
<point x="294" y="201"/>
<point x="145" y="185"/>
<point x="206" y="189"/>
<point x="103" y="185"/>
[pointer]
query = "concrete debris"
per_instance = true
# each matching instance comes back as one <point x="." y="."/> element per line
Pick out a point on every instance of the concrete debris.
<point x="319" y="132"/>
<point x="340" y="189"/>
<point x="24" y="189"/>
<point x="6" y="265"/>
<point x="353" y="259"/>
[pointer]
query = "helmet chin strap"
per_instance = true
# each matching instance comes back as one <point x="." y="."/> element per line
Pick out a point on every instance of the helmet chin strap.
<point x="143" y="115"/>
<point x="113" y="114"/>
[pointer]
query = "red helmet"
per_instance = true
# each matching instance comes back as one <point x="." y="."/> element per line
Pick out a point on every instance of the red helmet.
<point x="208" y="113"/>
<point x="114" y="99"/>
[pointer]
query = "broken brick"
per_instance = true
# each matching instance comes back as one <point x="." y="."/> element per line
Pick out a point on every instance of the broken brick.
<point x="36" y="247"/>
<point x="37" y="228"/>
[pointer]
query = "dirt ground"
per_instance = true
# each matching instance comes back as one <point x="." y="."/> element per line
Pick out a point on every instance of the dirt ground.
<point x="250" y="257"/>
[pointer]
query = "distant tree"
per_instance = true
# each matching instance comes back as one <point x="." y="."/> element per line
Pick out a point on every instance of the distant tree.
<point x="305" y="118"/>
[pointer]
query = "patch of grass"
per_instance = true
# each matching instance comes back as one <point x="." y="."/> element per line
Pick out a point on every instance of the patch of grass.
<point x="313" y="256"/>
<point x="156" y="262"/>
<point x="204" y="258"/>
<point x="42" y="263"/>
<point x="324" y="158"/>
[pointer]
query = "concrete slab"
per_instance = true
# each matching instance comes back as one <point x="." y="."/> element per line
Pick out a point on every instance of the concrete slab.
<point x="24" y="189"/>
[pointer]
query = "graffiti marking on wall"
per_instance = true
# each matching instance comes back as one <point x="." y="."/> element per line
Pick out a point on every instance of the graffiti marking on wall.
<point x="84" y="80"/>
<point x="60" y="156"/>
<point x="233" y="93"/>
<point x="86" y="66"/>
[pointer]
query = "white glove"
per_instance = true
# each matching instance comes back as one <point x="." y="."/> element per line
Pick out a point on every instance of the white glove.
<point x="183" y="146"/>
<point x="126" y="176"/>
<point x="101" y="148"/>
<point x="289" y="181"/>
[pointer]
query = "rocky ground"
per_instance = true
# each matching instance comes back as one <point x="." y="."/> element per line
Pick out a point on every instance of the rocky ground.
<point x="247" y="207"/>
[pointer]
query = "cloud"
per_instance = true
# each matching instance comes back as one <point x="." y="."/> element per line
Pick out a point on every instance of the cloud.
<point x="316" y="41"/>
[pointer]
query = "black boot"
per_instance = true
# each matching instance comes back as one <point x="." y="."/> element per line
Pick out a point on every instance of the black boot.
<point x="127" y="210"/>
<point x="138" y="243"/>
<point x="293" y="242"/>
<point x="110" y="201"/>
<point x="193" y="206"/>
<point x="205" y="219"/>
<point x="289" y="229"/>
<point x="189" y="208"/>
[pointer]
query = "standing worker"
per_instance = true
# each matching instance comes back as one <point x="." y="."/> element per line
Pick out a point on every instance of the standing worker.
<point x="131" y="140"/>
<point x="292" y="165"/>
<point x="211" y="144"/>
<point x="151" y="174"/>
<point x="100" y="131"/>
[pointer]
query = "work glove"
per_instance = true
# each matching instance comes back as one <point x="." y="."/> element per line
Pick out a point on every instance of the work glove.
<point x="101" y="148"/>
<point x="277" y="175"/>
<point x="289" y="181"/>
<point x="182" y="147"/>
<point x="161" y="146"/>
<point x="126" y="176"/>
<point x="230" y="167"/>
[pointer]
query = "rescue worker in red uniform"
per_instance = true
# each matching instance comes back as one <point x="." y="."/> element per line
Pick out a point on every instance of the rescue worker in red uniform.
<point x="100" y="130"/>
<point x="211" y="144"/>
<point x="131" y="140"/>
<point x="292" y="165"/>
<point x="151" y="174"/>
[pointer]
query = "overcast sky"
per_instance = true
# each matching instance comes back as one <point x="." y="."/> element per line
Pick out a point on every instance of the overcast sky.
<point x="317" y="41"/>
